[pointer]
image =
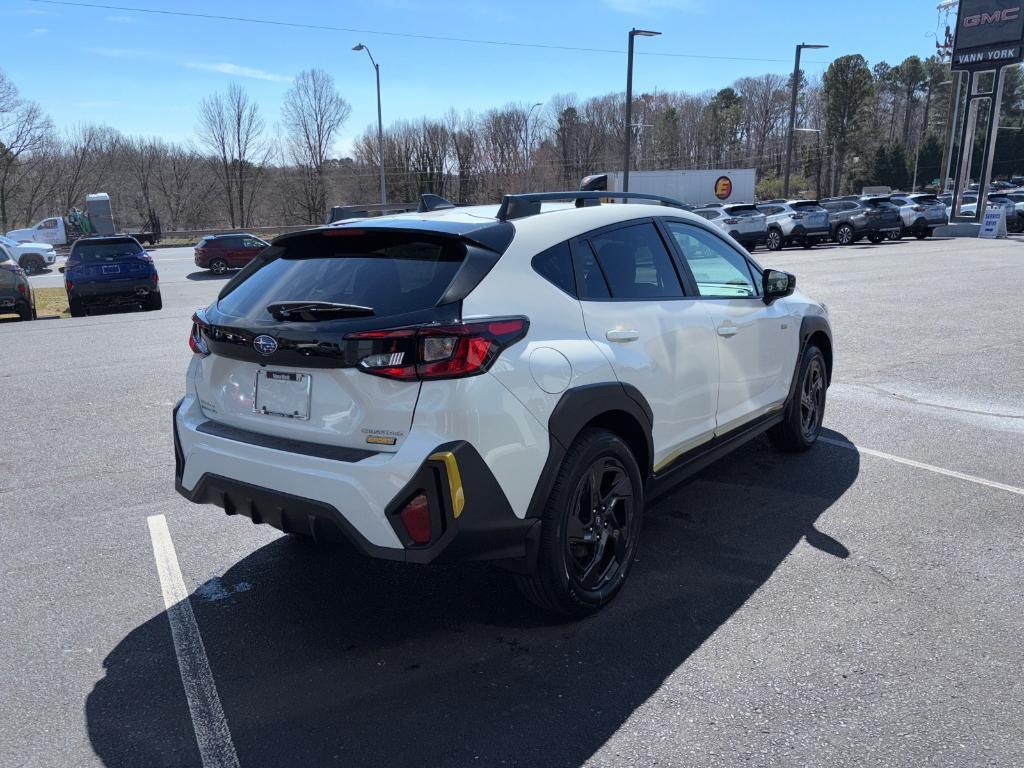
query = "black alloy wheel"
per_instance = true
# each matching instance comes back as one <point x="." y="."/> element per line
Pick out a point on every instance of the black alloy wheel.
<point x="218" y="266"/>
<point x="812" y="399"/>
<point x="844" y="234"/>
<point x="599" y="526"/>
<point x="590" y="527"/>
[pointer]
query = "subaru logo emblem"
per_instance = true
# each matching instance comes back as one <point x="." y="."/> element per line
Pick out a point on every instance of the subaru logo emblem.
<point x="265" y="345"/>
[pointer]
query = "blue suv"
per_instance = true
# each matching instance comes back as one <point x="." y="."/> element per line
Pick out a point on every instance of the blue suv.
<point x="109" y="272"/>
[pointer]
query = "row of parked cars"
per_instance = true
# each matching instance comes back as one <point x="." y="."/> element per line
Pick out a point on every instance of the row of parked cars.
<point x="843" y="220"/>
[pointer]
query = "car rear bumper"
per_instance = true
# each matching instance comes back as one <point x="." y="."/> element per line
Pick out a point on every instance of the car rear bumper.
<point x="114" y="292"/>
<point x="356" y="496"/>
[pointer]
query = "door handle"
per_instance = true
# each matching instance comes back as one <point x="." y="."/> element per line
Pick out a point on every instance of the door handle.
<point x="727" y="329"/>
<point x="622" y="337"/>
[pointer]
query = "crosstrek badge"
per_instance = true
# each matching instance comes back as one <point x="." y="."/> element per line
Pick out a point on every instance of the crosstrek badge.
<point x="723" y="187"/>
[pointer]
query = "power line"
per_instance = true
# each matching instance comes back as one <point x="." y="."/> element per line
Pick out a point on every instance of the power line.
<point x="407" y="35"/>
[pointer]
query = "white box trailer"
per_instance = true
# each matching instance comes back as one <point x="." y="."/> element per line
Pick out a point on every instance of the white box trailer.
<point x="729" y="185"/>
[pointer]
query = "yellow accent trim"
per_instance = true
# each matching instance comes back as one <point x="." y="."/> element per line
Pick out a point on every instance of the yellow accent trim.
<point x="380" y="440"/>
<point x="454" y="480"/>
<point x="689" y="445"/>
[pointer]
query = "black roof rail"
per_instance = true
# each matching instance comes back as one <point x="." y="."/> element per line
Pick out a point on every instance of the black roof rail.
<point x="528" y="204"/>
<point x="430" y="202"/>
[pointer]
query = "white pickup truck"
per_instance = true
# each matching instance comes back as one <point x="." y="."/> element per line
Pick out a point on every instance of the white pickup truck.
<point x="61" y="231"/>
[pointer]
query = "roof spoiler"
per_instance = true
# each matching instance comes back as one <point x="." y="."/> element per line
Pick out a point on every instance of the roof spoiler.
<point x="528" y="204"/>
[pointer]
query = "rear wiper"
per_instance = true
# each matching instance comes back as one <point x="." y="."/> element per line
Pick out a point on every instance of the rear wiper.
<point x="310" y="311"/>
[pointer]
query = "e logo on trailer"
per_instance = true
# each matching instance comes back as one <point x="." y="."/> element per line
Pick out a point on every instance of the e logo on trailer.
<point x="723" y="187"/>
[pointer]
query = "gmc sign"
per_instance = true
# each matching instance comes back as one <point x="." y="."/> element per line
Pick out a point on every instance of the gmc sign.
<point x="978" y="19"/>
<point x="989" y="34"/>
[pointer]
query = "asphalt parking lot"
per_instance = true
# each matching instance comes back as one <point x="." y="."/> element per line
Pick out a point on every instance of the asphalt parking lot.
<point x="862" y="604"/>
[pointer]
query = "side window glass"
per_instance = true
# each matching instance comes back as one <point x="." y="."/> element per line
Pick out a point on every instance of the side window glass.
<point x="636" y="263"/>
<point x="717" y="269"/>
<point x="588" y="273"/>
<point x="555" y="266"/>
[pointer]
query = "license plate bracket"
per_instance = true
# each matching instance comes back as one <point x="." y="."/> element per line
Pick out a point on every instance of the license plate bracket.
<point x="285" y="394"/>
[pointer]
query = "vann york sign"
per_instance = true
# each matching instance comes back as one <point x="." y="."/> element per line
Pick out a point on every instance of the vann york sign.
<point x="989" y="34"/>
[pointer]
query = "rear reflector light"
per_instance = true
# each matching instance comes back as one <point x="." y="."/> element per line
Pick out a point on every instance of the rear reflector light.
<point x="196" y="342"/>
<point x="438" y="352"/>
<point x="415" y="517"/>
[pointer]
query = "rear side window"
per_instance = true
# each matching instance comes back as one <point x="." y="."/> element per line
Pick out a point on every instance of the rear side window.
<point x="636" y="264"/>
<point x="391" y="272"/>
<point x="555" y="266"/>
<point x="808" y="206"/>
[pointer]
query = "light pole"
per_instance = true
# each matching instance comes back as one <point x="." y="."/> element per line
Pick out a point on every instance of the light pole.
<point x="527" y="142"/>
<point x="792" y="114"/>
<point x="380" y="124"/>
<point x="629" y="101"/>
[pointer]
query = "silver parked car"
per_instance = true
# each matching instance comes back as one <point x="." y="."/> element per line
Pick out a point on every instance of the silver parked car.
<point x="795" y="221"/>
<point x="921" y="214"/>
<point x="742" y="221"/>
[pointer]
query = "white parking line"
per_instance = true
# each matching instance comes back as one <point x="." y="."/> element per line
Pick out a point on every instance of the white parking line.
<point x="216" y="749"/>
<point x="922" y="465"/>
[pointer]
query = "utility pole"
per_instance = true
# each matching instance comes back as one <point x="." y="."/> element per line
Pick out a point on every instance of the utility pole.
<point x="629" y="101"/>
<point x="795" y="87"/>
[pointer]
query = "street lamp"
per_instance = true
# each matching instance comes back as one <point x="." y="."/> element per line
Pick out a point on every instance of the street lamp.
<point x="792" y="114"/>
<point x="380" y="124"/>
<point x="527" y="158"/>
<point x="629" y="101"/>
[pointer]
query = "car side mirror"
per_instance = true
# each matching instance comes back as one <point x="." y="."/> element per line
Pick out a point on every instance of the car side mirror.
<point x="777" y="284"/>
<point x="61" y="269"/>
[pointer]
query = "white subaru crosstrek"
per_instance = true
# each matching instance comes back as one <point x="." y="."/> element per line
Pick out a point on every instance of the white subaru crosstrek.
<point x="506" y="383"/>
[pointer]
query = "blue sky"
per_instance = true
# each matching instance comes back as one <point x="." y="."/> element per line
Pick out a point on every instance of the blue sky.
<point x="145" y="74"/>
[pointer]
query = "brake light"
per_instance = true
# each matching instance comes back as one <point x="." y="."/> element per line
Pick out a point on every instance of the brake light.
<point x="21" y="288"/>
<point x="919" y="208"/>
<point x="155" y="278"/>
<point x="196" y="342"/>
<point x="437" y="352"/>
<point x="415" y="517"/>
<point x="796" y="216"/>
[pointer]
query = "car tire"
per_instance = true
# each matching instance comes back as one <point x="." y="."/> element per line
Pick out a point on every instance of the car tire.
<point x="585" y="554"/>
<point x="921" y="233"/>
<point x="876" y="239"/>
<point x="894" y="236"/>
<point x="154" y="302"/>
<point x="25" y="312"/>
<point x="773" y="240"/>
<point x="32" y="265"/>
<point x="218" y="266"/>
<point x="800" y="428"/>
<point x="76" y="308"/>
<point x="807" y="243"/>
<point x="845" y="234"/>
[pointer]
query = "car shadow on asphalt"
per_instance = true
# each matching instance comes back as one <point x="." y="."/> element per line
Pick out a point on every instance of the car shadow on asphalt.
<point x="322" y="657"/>
<point x="205" y="274"/>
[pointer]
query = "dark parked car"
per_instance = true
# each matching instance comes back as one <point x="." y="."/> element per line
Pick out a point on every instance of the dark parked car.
<point x="219" y="253"/>
<point x="110" y="271"/>
<point x="15" y="290"/>
<point x="853" y="218"/>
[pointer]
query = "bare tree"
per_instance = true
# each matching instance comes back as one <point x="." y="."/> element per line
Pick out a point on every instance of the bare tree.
<point x="185" y="184"/>
<point x="231" y="127"/>
<point x="312" y="114"/>
<point x="24" y="132"/>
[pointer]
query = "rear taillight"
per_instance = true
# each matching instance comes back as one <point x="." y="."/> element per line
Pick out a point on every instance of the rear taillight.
<point x="731" y="221"/>
<point x="796" y="216"/>
<point x="415" y="517"/>
<point x="437" y="352"/>
<point x="21" y="288"/>
<point x="196" y="342"/>
<point x="919" y="208"/>
<point x="155" y="278"/>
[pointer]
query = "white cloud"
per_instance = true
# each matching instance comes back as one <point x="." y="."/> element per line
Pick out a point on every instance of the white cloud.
<point x="38" y="32"/>
<point x="121" y="20"/>
<point x="648" y="7"/>
<point x="117" y="53"/>
<point x="226" y="68"/>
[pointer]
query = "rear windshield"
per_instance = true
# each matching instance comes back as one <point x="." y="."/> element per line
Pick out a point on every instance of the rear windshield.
<point x="743" y="210"/>
<point x="808" y="206"/>
<point x="93" y="252"/>
<point x="392" y="273"/>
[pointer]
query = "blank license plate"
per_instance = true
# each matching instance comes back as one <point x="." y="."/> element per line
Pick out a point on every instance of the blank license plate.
<point x="282" y="393"/>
